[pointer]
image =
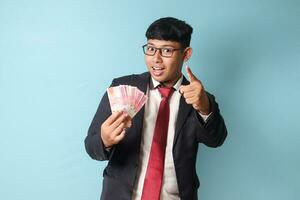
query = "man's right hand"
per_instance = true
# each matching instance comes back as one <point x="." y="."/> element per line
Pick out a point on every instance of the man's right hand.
<point x="113" y="129"/>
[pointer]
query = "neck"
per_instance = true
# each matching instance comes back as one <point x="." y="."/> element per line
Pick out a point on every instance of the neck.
<point x="171" y="83"/>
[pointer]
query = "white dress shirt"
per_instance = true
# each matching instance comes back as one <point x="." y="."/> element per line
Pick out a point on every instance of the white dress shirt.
<point x="169" y="189"/>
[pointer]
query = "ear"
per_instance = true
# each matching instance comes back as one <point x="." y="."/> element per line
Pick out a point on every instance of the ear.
<point x="187" y="53"/>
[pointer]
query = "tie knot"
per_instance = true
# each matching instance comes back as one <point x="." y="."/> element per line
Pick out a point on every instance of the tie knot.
<point x="165" y="92"/>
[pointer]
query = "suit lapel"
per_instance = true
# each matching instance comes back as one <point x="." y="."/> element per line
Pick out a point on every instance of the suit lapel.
<point x="183" y="111"/>
<point x="142" y="84"/>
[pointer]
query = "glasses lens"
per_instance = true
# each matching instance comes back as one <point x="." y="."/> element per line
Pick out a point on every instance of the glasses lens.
<point x="166" y="52"/>
<point x="148" y="50"/>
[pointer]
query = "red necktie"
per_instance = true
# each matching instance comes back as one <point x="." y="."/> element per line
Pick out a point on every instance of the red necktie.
<point x="155" y="168"/>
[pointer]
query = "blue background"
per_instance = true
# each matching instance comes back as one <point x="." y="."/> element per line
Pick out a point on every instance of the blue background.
<point x="58" y="57"/>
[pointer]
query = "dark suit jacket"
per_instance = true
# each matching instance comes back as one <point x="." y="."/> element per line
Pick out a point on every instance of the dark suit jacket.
<point x="120" y="174"/>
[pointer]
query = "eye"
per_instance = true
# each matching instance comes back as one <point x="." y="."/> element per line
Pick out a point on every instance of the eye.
<point x="167" y="50"/>
<point x="149" y="48"/>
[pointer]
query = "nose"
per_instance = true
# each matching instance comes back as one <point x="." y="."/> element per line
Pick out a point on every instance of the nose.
<point x="157" y="57"/>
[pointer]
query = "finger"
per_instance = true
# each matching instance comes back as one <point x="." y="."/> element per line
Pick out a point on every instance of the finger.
<point x="120" y="137"/>
<point x="182" y="89"/>
<point x="186" y="88"/>
<point x="117" y="131"/>
<point x="190" y="74"/>
<point x="119" y="120"/>
<point x="188" y="94"/>
<point x="196" y="106"/>
<point x="128" y="123"/>
<point x="191" y="100"/>
<point x="112" y="117"/>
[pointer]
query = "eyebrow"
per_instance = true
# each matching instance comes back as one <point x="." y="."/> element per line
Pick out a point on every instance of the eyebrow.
<point x="167" y="45"/>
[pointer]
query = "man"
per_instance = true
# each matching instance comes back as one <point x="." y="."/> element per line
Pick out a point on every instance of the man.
<point x="153" y="155"/>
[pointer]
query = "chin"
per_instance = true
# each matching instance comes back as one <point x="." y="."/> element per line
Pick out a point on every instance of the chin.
<point x="159" y="79"/>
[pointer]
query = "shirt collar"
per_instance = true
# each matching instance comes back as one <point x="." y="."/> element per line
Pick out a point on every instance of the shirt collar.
<point x="154" y="83"/>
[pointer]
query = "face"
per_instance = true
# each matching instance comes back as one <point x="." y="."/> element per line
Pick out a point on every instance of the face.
<point x="166" y="70"/>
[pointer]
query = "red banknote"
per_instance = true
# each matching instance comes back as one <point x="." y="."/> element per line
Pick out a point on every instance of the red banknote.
<point x="126" y="98"/>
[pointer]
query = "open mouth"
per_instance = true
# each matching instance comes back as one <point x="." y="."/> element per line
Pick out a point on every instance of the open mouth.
<point x="157" y="71"/>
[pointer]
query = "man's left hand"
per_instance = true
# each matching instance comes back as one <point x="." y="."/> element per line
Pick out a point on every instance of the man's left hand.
<point x="195" y="94"/>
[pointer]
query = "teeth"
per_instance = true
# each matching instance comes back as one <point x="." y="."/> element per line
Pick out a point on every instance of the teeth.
<point x="157" y="68"/>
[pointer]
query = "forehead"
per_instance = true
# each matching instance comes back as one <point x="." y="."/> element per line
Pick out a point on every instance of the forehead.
<point x="163" y="43"/>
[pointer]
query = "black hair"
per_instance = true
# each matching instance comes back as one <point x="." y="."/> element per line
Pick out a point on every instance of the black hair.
<point x="170" y="29"/>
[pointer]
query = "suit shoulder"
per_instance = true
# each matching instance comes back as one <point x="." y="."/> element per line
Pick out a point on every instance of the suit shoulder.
<point x="130" y="79"/>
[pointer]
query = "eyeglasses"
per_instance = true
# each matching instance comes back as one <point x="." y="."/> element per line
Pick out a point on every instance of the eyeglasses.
<point x="164" y="52"/>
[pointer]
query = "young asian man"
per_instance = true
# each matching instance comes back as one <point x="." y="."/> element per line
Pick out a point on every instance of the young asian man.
<point x="153" y="156"/>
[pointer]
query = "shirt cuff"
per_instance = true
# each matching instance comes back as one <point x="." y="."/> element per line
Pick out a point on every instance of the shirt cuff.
<point x="107" y="149"/>
<point x="204" y="117"/>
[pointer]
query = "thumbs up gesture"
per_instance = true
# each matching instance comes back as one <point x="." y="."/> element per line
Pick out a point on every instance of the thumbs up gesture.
<point x="195" y="94"/>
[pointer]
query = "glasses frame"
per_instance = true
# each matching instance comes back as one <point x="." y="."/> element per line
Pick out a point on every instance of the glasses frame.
<point x="160" y="51"/>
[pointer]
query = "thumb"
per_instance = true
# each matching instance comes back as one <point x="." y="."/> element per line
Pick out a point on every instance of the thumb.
<point x="190" y="74"/>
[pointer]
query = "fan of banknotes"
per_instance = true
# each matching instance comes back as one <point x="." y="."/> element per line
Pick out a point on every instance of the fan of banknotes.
<point x="126" y="98"/>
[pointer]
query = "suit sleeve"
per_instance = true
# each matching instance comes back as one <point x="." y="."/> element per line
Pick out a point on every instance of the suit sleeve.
<point x="93" y="143"/>
<point x="212" y="132"/>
